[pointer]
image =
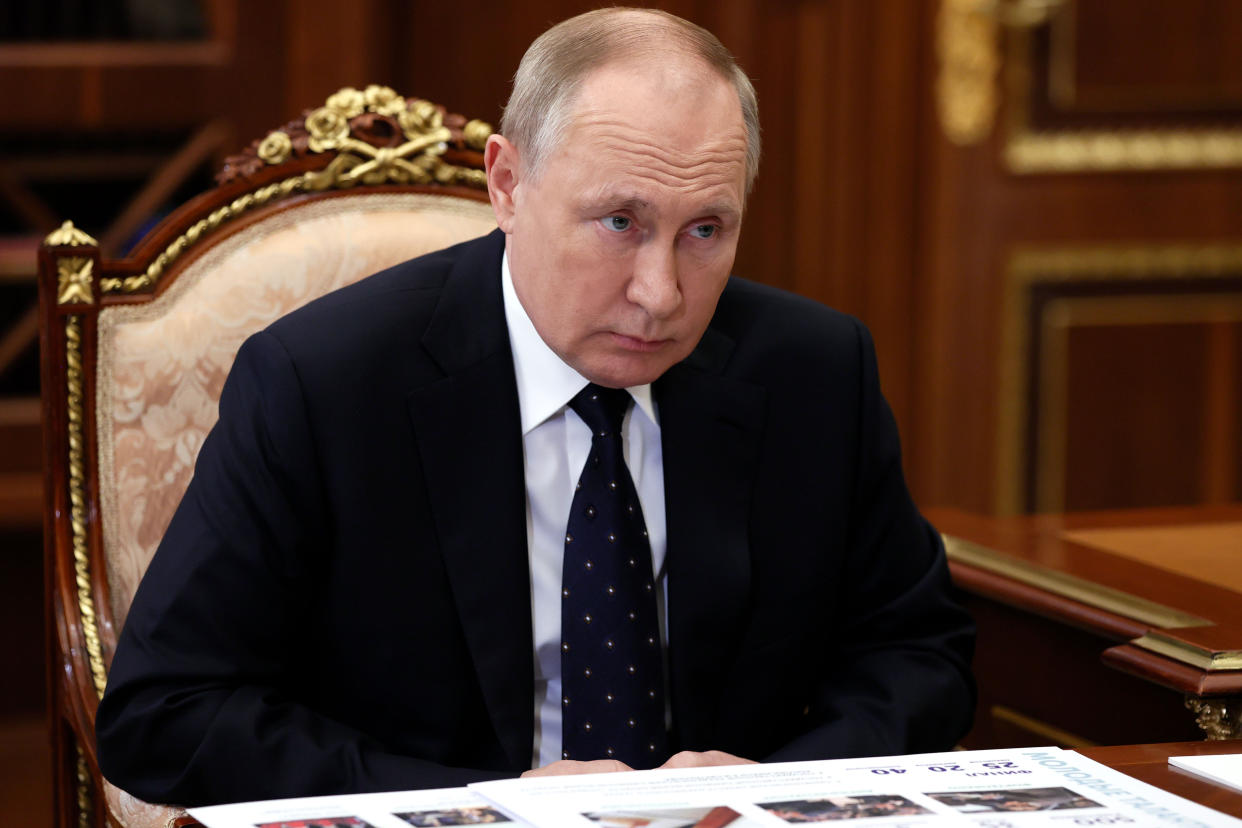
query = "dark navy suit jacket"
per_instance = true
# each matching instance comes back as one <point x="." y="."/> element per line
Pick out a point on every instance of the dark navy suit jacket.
<point x="342" y="600"/>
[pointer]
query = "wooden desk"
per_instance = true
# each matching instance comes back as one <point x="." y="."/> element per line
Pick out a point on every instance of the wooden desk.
<point x="1149" y="763"/>
<point x="1101" y="628"/>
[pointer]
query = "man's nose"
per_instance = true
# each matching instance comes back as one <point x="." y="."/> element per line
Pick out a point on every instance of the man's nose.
<point x="654" y="285"/>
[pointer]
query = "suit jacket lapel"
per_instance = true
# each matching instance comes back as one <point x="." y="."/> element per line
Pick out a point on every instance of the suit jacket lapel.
<point x="710" y="427"/>
<point x="469" y="438"/>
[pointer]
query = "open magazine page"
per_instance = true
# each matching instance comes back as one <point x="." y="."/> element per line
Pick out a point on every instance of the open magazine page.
<point x="448" y="806"/>
<point x="1023" y="788"/>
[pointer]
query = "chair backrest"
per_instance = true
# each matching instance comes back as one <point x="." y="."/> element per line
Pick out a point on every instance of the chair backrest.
<point x="135" y="352"/>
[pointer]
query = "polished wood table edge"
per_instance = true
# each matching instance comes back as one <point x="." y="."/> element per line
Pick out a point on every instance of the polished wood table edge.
<point x="1186" y="678"/>
<point x="1030" y="548"/>
<point x="1036" y="599"/>
<point x="1150" y="764"/>
<point x="1157" y="641"/>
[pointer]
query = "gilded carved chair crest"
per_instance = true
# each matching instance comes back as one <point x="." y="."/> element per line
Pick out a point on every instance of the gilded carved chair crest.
<point x="366" y="137"/>
<point x="378" y="137"/>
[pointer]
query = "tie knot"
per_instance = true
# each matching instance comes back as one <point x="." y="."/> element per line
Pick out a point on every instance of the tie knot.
<point x="602" y="409"/>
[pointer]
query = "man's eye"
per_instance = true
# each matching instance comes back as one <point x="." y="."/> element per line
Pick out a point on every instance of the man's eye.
<point x="704" y="231"/>
<point x="618" y="224"/>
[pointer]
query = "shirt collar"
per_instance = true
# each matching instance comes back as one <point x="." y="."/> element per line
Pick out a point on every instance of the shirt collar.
<point x="545" y="383"/>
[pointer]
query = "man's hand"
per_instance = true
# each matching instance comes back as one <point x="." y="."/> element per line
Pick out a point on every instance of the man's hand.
<point x="566" y="767"/>
<point x="711" y="758"/>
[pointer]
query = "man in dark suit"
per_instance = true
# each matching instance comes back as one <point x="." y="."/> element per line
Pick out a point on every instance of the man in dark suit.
<point x="362" y="588"/>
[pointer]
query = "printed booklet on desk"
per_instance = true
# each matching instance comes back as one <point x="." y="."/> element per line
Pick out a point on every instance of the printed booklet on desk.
<point x="402" y="809"/>
<point x="1022" y="788"/>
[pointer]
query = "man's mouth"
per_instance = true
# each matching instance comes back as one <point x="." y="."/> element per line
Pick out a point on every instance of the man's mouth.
<point x="634" y="343"/>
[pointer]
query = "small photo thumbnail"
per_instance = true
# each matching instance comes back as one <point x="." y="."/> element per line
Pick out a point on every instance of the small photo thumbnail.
<point x="1020" y="799"/>
<point x="832" y="808"/>
<point x="469" y="815"/>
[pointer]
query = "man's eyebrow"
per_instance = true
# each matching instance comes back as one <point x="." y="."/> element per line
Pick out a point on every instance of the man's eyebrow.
<point x="621" y="200"/>
<point x="614" y="199"/>
<point x="724" y="209"/>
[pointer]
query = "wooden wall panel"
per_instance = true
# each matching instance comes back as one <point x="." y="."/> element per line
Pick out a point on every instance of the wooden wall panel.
<point x="1136" y="435"/>
<point x="1148" y="55"/>
<point x="1103" y="202"/>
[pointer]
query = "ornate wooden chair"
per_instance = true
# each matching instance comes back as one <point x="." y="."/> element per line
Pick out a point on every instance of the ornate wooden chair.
<point x="135" y="352"/>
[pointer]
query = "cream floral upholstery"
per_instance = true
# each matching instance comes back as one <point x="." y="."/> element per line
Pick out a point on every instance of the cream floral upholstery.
<point x="131" y="812"/>
<point x="162" y="364"/>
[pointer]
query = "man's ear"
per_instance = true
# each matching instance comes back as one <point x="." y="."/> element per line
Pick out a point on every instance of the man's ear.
<point x="503" y="165"/>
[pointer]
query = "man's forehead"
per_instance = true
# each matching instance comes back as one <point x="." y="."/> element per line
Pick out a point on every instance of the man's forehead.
<point x="633" y="161"/>
<point x="682" y="123"/>
<point x="653" y="82"/>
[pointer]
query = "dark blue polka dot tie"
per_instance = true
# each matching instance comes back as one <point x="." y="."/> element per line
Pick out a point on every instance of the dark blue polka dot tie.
<point x="612" y="672"/>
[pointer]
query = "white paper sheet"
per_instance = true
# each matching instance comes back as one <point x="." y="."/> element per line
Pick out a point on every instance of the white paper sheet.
<point x="403" y="809"/>
<point x="1023" y="788"/>
<point x="1223" y="768"/>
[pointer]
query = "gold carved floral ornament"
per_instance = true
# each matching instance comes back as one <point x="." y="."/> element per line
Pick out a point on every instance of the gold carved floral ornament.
<point x="349" y="102"/>
<point x="73" y="280"/>
<point x="276" y="147"/>
<point x="69" y="236"/>
<point x="415" y="161"/>
<point x="1219" y="719"/>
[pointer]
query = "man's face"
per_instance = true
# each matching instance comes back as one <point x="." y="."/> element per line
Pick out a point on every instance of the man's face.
<point x="621" y="246"/>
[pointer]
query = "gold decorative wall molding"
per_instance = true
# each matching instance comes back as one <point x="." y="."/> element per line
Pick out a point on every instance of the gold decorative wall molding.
<point x="968" y="47"/>
<point x="968" y="50"/>
<point x="1029" y="150"/>
<point x="1082" y="265"/>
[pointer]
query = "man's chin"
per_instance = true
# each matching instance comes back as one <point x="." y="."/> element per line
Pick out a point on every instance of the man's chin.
<point x="627" y="371"/>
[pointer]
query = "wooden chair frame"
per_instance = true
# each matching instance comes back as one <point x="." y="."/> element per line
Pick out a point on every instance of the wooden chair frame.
<point x="360" y="140"/>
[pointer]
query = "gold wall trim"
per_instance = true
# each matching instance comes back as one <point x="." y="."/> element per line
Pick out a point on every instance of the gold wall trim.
<point x="1042" y="729"/>
<point x="77" y="501"/>
<point x="968" y="49"/>
<point x="1065" y="265"/>
<point x="1070" y="586"/>
<point x="1030" y="151"/>
<point x="1201" y="657"/>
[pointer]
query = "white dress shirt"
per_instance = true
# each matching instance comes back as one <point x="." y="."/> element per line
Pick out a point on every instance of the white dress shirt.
<point x="555" y="444"/>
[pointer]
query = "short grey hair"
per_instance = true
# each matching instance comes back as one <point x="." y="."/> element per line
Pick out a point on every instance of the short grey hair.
<point x="553" y="68"/>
